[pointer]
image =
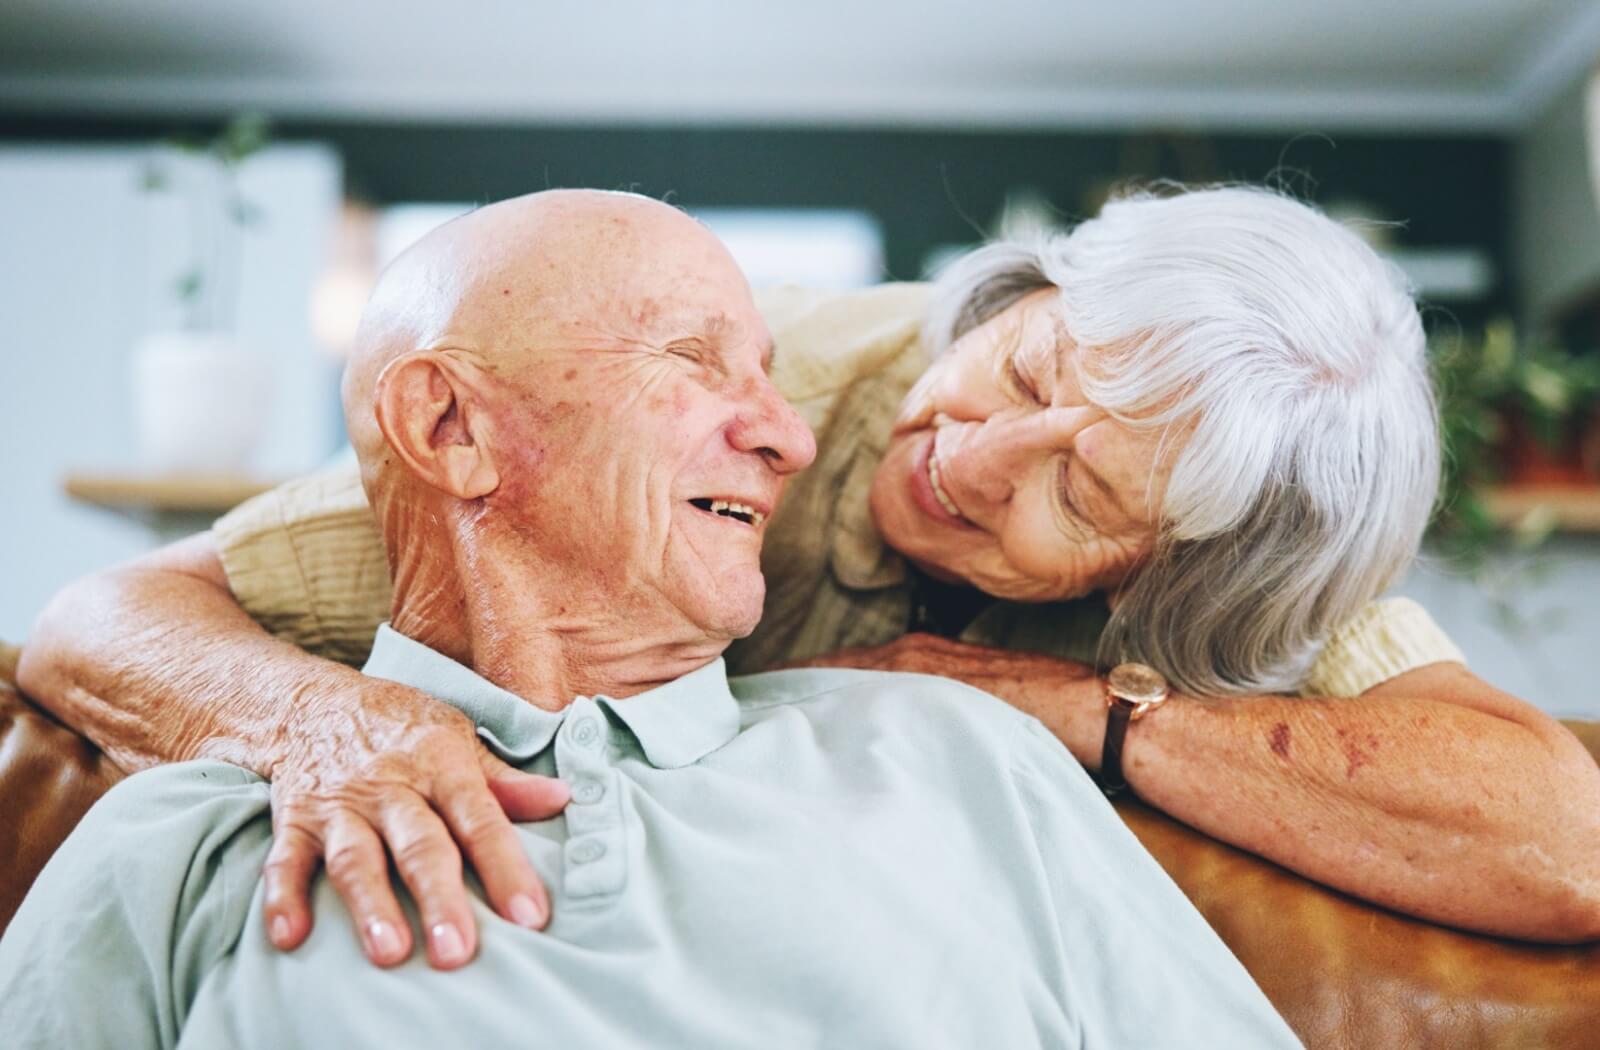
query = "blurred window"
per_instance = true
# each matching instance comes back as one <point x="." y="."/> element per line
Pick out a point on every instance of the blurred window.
<point x="402" y="225"/>
<point x="811" y="247"/>
<point x="818" y="248"/>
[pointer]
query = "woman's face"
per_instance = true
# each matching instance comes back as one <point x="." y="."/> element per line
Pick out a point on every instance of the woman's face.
<point x="1002" y="474"/>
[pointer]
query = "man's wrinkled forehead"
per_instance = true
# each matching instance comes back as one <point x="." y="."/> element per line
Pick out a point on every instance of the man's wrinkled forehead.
<point x="728" y="318"/>
<point x="715" y="316"/>
<point x="590" y="271"/>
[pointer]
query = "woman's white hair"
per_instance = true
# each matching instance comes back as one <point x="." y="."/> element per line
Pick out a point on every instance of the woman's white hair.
<point x="1292" y="357"/>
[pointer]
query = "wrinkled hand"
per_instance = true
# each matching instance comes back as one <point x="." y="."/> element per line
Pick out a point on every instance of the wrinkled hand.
<point x="1064" y="695"/>
<point x="402" y="771"/>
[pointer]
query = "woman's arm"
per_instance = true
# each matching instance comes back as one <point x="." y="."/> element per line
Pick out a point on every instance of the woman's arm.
<point x="1434" y="793"/>
<point x="155" y="662"/>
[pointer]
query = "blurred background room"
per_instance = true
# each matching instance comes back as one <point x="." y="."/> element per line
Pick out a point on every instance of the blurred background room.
<point x="196" y="194"/>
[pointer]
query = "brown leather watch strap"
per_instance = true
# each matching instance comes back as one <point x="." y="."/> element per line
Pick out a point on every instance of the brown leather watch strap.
<point x="1110" y="778"/>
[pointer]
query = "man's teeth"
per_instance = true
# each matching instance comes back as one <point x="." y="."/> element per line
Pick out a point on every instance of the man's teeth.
<point x="938" y="489"/>
<point x="730" y="509"/>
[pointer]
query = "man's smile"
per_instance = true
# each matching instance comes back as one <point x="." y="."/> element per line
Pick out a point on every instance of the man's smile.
<point x="733" y="510"/>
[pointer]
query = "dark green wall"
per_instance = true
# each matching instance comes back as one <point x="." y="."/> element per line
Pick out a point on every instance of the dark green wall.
<point x="926" y="187"/>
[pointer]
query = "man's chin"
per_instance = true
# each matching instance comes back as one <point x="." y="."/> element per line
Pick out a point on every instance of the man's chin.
<point x="734" y="609"/>
<point x="742" y="623"/>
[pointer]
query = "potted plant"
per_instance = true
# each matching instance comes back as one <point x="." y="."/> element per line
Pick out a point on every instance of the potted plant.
<point x="1512" y="413"/>
<point x="199" y="397"/>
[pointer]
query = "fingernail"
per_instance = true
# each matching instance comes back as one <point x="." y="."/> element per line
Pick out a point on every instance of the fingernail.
<point x="447" y="943"/>
<point x="526" y="912"/>
<point x="382" y="940"/>
<point x="280" y="931"/>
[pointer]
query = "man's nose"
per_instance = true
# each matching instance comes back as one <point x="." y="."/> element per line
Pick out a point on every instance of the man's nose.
<point x="768" y="424"/>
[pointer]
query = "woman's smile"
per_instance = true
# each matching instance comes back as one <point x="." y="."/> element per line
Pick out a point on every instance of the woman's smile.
<point x="927" y="490"/>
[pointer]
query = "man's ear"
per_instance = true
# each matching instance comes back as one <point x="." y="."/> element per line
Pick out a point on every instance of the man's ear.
<point x="430" y="417"/>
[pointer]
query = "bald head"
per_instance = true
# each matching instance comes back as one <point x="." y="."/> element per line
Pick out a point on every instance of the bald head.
<point x="484" y="285"/>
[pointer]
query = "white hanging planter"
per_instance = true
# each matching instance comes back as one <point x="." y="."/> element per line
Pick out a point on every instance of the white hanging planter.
<point x="200" y="402"/>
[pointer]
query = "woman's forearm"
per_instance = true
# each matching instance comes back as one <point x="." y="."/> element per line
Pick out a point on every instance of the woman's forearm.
<point x="155" y="662"/>
<point x="1433" y="795"/>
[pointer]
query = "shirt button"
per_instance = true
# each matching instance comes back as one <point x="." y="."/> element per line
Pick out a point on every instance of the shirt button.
<point x="588" y="851"/>
<point x="588" y="792"/>
<point x="585" y="733"/>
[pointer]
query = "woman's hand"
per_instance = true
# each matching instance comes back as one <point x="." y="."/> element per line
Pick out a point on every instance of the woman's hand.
<point x="399" y="774"/>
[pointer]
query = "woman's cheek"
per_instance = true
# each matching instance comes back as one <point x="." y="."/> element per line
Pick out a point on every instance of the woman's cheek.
<point x="1056" y="568"/>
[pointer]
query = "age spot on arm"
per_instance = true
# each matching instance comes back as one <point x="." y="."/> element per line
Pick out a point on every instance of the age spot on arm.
<point x="1279" y="739"/>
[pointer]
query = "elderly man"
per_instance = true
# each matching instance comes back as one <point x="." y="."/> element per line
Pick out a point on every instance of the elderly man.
<point x="566" y="431"/>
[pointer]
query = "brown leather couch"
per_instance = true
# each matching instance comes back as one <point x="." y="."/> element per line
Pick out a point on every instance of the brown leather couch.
<point x="1343" y="974"/>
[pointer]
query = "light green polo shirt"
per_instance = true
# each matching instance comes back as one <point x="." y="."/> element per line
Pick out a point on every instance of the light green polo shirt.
<point x="818" y="858"/>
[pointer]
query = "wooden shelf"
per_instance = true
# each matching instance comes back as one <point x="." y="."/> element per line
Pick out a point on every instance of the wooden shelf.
<point x="1576" y="507"/>
<point x="189" y="494"/>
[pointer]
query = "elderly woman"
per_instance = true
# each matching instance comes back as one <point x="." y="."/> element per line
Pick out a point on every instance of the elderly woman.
<point x="1196" y="432"/>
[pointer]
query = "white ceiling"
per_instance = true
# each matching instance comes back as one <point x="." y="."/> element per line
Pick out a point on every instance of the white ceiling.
<point x="1475" y="64"/>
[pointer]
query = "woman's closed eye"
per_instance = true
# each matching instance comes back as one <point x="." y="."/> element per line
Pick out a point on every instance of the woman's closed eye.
<point x="1019" y="381"/>
<point x="1066" y="500"/>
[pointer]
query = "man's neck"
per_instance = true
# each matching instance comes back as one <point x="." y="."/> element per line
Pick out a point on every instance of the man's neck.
<point x="529" y="631"/>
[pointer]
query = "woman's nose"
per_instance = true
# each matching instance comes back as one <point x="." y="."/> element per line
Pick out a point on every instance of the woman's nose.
<point x="984" y="462"/>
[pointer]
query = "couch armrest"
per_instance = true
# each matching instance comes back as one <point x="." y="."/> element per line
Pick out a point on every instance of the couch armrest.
<point x="1347" y="974"/>
<point x="49" y="777"/>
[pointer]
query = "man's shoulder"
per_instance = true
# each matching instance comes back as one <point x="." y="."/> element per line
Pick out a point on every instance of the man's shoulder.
<point x="183" y="783"/>
<point x="184" y="841"/>
<point x="133" y="911"/>
<point x="186" y="803"/>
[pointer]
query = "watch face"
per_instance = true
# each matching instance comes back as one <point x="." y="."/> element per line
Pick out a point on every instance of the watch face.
<point x="1137" y="683"/>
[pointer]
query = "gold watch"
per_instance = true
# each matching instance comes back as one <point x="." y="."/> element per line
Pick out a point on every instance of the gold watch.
<point x="1132" y="690"/>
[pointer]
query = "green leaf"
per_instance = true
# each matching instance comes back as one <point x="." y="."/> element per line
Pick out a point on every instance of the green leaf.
<point x="1538" y="525"/>
<point x="245" y="213"/>
<point x="186" y="144"/>
<point x="1546" y="387"/>
<point x="153" y="178"/>
<point x="244" y="135"/>
<point x="1499" y="347"/>
<point x="189" y="286"/>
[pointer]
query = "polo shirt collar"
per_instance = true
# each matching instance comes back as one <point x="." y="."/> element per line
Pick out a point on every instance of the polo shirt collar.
<point x="680" y="723"/>
<point x="676" y="724"/>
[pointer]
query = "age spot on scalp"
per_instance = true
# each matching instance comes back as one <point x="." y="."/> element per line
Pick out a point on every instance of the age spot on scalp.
<point x="647" y="311"/>
<point x="1279" y="738"/>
